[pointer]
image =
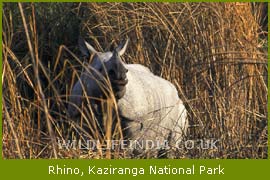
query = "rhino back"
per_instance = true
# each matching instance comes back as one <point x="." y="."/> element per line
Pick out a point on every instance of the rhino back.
<point x="153" y="102"/>
<point x="147" y="93"/>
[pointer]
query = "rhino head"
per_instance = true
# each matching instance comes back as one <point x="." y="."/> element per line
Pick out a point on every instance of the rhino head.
<point x="109" y="64"/>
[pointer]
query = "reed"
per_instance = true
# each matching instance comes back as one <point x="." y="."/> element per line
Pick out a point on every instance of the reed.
<point x="214" y="53"/>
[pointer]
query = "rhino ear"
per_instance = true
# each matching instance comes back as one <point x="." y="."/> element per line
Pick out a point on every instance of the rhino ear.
<point x="122" y="48"/>
<point x="85" y="48"/>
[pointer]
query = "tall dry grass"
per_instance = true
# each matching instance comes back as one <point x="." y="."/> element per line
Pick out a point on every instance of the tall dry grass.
<point x="212" y="52"/>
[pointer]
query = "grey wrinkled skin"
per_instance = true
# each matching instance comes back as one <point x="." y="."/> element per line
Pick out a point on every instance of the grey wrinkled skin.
<point x="152" y="102"/>
<point x="149" y="106"/>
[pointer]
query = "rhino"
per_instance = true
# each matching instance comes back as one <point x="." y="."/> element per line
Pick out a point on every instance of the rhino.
<point x="148" y="105"/>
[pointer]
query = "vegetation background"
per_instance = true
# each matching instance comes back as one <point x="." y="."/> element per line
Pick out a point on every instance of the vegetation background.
<point x="214" y="53"/>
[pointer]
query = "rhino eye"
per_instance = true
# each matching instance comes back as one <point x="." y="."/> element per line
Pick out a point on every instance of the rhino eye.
<point x="100" y="69"/>
<point x="111" y="73"/>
